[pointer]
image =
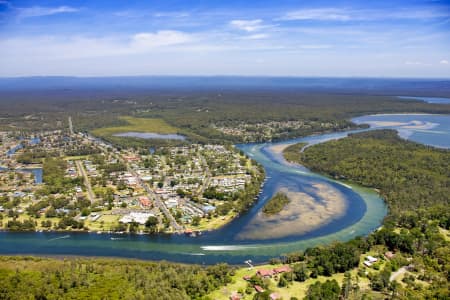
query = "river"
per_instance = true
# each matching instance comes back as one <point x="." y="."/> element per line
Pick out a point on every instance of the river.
<point x="322" y="211"/>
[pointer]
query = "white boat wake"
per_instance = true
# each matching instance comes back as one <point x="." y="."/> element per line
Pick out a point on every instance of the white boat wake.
<point x="59" y="238"/>
<point x="227" y="247"/>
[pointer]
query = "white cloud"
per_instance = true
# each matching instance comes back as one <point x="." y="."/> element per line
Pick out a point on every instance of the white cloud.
<point x="444" y="62"/>
<point x="248" y="25"/>
<point x="161" y="38"/>
<point x="313" y="46"/>
<point x="416" y="63"/>
<point x="322" y="14"/>
<point x="39" y="11"/>
<point x="343" y="14"/>
<point x="258" y="36"/>
<point x="80" y="47"/>
<point x="180" y="14"/>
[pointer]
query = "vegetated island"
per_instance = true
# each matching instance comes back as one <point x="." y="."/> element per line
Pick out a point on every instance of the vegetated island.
<point x="408" y="175"/>
<point x="276" y="204"/>
<point x="293" y="152"/>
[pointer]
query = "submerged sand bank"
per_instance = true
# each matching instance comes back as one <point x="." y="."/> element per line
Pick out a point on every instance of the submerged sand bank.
<point x="303" y="214"/>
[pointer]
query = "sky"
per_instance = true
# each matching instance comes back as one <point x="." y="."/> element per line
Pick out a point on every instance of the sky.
<point x="404" y="38"/>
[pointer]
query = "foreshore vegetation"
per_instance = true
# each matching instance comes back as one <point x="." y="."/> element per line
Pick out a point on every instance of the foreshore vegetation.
<point x="275" y="204"/>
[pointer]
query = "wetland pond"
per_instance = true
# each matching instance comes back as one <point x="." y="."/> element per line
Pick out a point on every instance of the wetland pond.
<point x="151" y="135"/>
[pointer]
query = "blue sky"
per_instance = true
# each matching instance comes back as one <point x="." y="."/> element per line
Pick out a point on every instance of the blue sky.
<point x="211" y="37"/>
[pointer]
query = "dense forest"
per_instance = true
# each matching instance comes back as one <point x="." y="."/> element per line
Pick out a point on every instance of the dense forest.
<point x="414" y="180"/>
<point x="43" y="278"/>
<point x="195" y="112"/>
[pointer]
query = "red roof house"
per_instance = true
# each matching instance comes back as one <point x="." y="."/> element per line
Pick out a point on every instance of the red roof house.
<point x="258" y="289"/>
<point x="247" y="277"/>
<point x="275" y="296"/>
<point x="264" y="273"/>
<point x="144" y="201"/>
<point x="282" y="269"/>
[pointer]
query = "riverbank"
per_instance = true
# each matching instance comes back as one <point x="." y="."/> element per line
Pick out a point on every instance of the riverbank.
<point x="221" y="244"/>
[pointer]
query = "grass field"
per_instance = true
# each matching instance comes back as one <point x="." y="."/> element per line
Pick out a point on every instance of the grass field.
<point x="137" y="125"/>
<point x="296" y="289"/>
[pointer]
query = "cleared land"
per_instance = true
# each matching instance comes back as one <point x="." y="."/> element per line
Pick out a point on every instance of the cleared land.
<point x="137" y="125"/>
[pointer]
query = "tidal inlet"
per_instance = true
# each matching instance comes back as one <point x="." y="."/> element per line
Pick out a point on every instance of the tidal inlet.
<point x="306" y="211"/>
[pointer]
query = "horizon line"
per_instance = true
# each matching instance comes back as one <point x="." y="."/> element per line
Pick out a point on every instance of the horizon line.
<point x="223" y="76"/>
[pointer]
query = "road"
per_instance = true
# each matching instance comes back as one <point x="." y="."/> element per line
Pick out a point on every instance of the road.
<point x="158" y="202"/>
<point x="71" y="126"/>
<point x="398" y="273"/>
<point x="150" y="193"/>
<point x="160" y="205"/>
<point x="87" y="182"/>
<point x="207" y="177"/>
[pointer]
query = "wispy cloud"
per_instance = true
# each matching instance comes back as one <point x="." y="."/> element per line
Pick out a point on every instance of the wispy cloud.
<point x="345" y="14"/>
<point x="315" y="46"/>
<point x="321" y="14"/>
<point x="416" y="63"/>
<point x="444" y="62"/>
<point x="159" y="39"/>
<point x="248" y="25"/>
<point x="39" y="11"/>
<point x="172" y="14"/>
<point x="258" y="36"/>
<point x="74" y="47"/>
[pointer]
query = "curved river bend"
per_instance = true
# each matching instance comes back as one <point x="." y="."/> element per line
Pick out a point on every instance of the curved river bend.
<point x="322" y="211"/>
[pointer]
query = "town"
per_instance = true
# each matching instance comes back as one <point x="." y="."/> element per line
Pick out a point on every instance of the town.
<point x="65" y="180"/>
<point x="276" y="130"/>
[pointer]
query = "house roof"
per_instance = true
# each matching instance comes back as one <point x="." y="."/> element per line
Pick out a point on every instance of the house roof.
<point x="264" y="272"/>
<point x="259" y="289"/>
<point x="282" y="269"/>
<point x="275" y="296"/>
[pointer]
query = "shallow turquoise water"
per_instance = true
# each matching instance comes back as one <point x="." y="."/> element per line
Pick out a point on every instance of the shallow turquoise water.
<point x="435" y="100"/>
<point x="433" y="130"/>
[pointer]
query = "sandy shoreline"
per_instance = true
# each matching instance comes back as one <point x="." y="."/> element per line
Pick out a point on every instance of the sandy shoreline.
<point x="278" y="149"/>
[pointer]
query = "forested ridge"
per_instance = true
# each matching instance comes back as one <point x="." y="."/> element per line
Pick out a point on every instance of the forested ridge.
<point x="194" y="112"/>
<point x="48" y="278"/>
<point x="415" y="182"/>
<point x="409" y="175"/>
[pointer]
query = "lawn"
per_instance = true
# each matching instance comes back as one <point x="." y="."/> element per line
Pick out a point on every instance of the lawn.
<point x="104" y="223"/>
<point x="296" y="289"/>
<point x="138" y="125"/>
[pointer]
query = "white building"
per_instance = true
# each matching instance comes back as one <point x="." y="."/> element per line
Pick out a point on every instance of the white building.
<point x="137" y="217"/>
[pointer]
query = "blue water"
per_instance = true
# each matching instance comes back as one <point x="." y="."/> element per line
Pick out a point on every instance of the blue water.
<point x="14" y="149"/>
<point x="433" y="130"/>
<point x="435" y="100"/>
<point x="35" y="141"/>
<point x="363" y="213"/>
<point x="151" y="135"/>
<point x="37" y="173"/>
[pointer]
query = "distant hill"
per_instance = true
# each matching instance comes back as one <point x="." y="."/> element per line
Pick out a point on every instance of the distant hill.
<point x="380" y="86"/>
